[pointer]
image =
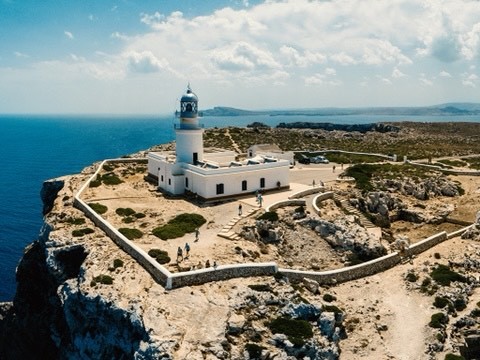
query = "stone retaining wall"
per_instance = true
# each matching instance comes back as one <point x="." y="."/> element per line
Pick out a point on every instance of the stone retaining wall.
<point x="357" y="153"/>
<point x="345" y="274"/>
<point x="448" y="171"/>
<point x="224" y="272"/>
<point x="426" y="244"/>
<point x="279" y="204"/>
<point x="319" y="198"/>
<point x="307" y="192"/>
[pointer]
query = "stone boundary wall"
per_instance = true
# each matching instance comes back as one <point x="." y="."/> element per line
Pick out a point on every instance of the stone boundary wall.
<point x="426" y="244"/>
<point x="307" y="192"/>
<point x="457" y="221"/>
<point x="319" y="198"/>
<point x="196" y="277"/>
<point x="448" y="171"/>
<point x="458" y="232"/>
<point x="345" y="274"/>
<point x="158" y="272"/>
<point x="356" y="153"/>
<point x="223" y="272"/>
<point x="279" y="204"/>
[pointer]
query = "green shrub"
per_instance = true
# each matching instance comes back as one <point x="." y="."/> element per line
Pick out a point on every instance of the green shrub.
<point x="128" y="220"/>
<point x="437" y="320"/>
<point x="95" y="183"/>
<point x="139" y="215"/>
<point x="411" y="277"/>
<point x="108" y="167"/>
<point x="454" y="357"/>
<point x="444" y="276"/>
<point x="329" y="298"/>
<point x="103" y="279"/>
<point x="117" y="263"/>
<point x="75" y="221"/>
<point x="125" y="211"/>
<point x="440" y="302"/>
<point x="261" y="287"/>
<point x="160" y="255"/>
<point x="269" y="216"/>
<point x="179" y="226"/>
<point x="131" y="234"/>
<point x="111" y="179"/>
<point x="98" y="208"/>
<point x="459" y="304"/>
<point x="437" y="255"/>
<point x="254" y="350"/>
<point x="300" y="209"/>
<point x="81" y="232"/>
<point x="296" y="330"/>
<point x="168" y="231"/>
<point x="475" y="313"/>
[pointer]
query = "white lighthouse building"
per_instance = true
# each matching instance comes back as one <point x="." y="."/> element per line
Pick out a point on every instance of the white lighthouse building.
<point x="211" y="173"/>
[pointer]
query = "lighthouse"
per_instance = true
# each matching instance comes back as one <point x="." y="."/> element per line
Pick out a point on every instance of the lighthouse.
<point x="189" y="133"/>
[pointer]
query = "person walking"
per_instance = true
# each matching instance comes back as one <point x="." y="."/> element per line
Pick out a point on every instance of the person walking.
<point x="240" y="210"/>
<point x="197" y="234"/>
<point x="333" y="168"/>
<point x="187" y="250"/>
<point x="179" y="253"/>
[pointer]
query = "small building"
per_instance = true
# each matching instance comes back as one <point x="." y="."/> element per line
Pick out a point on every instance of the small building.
<point x="211" y="173"/>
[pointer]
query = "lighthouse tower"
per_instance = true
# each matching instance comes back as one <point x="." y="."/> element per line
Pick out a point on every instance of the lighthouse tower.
<point x="189" y="134"/>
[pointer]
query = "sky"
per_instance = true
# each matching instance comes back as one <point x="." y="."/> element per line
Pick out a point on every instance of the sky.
<point x="137" y="57"/>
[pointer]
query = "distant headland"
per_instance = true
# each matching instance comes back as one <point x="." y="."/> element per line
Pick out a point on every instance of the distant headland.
<point x="447" y="109"/>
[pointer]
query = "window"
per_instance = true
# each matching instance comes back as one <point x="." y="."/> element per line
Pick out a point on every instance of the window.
<point x="195" y="158"/>
<point x="186" y="182"/>
<point x="262" y="182"/>
<point x="169" y="181"/>
<point x="189" y="107"/>
<point x="220" y="189"/>
<point x="244" y="185"/>
<point x="161" y="178"/>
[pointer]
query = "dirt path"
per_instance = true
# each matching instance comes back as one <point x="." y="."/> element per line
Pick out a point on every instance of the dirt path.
<point x="392" y="320"/>
<point x="234" y="144"/>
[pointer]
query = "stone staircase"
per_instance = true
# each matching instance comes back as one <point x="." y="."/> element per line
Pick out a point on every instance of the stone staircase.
<point x="228" y="233"/>
<point x="345" y="204"/>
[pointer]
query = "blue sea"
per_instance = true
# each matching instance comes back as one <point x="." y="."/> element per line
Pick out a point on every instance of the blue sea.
<point x="37" y="148"/>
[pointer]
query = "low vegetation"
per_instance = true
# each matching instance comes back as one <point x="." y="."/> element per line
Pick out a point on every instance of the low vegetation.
<point x="102" y="279"/>
<point x="364" y="173"/>
<point x="98" y="208"/>
<point x="261" y="287"/>
<point x="443" y="275"/>
<point x="179" y="226"/>
<point x="297" y="331"/>
<point x="254" y="350"/>
<point x="82" y="232"/>
<point x="131" y="234"/>
<point x="74" y="221"/>
<point x="109" y="178"/>
<point x="269" y="216"/>
<point x="160" y="255"/>
<point x="438" y="320"/>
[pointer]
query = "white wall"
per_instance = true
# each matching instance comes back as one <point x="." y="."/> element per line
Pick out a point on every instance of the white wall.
<point x="206" y="185"/>
<point x="187" y="143"/>
<point x="223" y="158"/>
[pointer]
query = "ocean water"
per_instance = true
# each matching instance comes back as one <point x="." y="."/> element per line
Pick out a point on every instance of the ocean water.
<point x="37" y="148"/>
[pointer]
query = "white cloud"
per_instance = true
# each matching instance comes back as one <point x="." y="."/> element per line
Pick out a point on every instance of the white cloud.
<point x="396" y="74"/>
<point x="424" y="81"/>
<point x="239" y="54"/>
<point x="243" y="56"/>
<point x="19" y="54"/>
<point x="145" y="62"/>
<point x="118" y="35"/>
<point x="330" y="71"/>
